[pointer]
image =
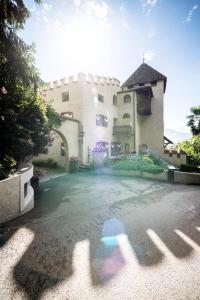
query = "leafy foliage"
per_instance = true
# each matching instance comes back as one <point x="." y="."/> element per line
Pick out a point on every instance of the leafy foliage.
<point x="194" y="120"/>
<point x="25" y="120"/>
<point x="192" y="149"/>
<point x="189" y="168"/>
<point x="138" y="163"/>
<point x="48" y="163"/>
<point x="6" y="166"/>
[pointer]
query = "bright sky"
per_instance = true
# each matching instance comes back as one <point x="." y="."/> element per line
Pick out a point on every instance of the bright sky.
<point x="109" y="38"/>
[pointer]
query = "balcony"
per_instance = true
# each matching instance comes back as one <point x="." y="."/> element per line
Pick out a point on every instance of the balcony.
<point x="122" y="126"/>
<point x="122" y="130"/>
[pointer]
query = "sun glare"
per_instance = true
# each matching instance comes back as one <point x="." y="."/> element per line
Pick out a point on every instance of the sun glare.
<point x="82" y="41"/>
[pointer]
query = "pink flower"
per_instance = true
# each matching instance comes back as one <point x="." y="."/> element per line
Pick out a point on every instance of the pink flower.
<point x="74" y="158"/>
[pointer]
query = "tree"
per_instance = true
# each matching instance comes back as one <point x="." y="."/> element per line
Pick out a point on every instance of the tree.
<point x="194" y="120"/>
<point x="192" y="148"/>
<point x="25" y="120"/>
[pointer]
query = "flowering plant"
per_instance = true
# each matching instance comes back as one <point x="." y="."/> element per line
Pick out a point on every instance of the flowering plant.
<point x="74" y="158"/>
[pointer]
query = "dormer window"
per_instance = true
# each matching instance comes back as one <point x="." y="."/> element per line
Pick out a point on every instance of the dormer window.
<point x="127" y="99"/>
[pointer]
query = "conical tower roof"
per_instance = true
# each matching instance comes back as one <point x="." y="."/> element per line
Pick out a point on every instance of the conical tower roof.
<point x="144" y="74"/>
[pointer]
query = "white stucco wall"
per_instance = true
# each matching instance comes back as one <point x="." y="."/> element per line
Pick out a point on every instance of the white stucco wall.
<point x="83" y="102"/>
<point x="175" y="160"/>
<point x="13" y="202"/>
<point x="152" y="126"/>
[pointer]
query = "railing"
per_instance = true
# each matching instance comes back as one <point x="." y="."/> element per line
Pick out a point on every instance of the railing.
<point x="120" y="130"/>
<point x="165" y="163"/>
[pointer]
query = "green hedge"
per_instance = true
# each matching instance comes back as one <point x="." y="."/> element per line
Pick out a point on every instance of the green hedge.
<point x="189" y="169"/>
<point x="46" y="163"/>
<point x="138" y="163"/>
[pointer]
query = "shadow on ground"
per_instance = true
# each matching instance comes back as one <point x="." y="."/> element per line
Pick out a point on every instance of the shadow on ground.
<point x="49" y="258"/>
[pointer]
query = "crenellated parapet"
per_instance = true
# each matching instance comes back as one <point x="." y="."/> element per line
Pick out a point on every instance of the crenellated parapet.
<point x="177" y="153"/>
<point x="82" y="78"/>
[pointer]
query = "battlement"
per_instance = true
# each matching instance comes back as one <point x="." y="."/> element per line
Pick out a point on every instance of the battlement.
<point x="82" y="77"/>
<point x="176" y="153"/>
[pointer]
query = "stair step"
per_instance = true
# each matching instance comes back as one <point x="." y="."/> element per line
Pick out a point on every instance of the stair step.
<point x="84" y="167"/>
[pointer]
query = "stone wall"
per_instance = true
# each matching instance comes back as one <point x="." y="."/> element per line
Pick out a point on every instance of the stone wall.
<point x="186" y="178"/>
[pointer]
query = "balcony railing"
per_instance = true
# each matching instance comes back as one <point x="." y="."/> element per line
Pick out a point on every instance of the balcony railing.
<point x="121" y="130"/>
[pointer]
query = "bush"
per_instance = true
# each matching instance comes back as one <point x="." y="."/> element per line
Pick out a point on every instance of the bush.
<point x="155" y="160"/>
<point x="93" y="165"/>
<point x="46" y="163"/>
<point x="138" y="163"/>
<point x="7" y="167"/>
<point x="189" y="168"/>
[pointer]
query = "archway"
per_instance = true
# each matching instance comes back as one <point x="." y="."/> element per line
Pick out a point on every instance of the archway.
<point x="64" y="140"/>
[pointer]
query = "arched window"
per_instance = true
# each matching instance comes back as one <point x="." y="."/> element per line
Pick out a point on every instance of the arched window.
<point x="126" y="116"/>
<point x="127" y="99"/>
<point x="114" y="99"/>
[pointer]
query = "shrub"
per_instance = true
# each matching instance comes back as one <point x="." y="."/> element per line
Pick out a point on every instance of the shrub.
<point x="74" y="164"/>
<point x="138" y="163"/>
<point x="46" y="163"/>
<point x="6" y="167"/>
<point x="148" y="159"/>
<point x="155" y="160"/>
<point x="93" y="165"/>
<point x="154" y="169"/>
<point x="189" y="168"/>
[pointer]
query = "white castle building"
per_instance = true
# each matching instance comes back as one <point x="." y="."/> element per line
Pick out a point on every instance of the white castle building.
<point x="101" y="113"/>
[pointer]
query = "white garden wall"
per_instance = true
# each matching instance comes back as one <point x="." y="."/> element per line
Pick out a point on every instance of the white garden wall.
<point x="16" y="195"/>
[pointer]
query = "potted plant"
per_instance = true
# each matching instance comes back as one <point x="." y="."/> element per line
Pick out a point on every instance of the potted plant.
<point x="74" y="164"/>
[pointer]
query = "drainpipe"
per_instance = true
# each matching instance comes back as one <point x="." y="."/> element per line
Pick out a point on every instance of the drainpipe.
<point x="134" y="119"/>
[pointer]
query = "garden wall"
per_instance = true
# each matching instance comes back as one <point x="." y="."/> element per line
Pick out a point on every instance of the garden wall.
<point x="179" y="177"/>
<point x="160" y="176"/>
<point x="186" y="178"/>
<point x="16" y="195"/>
<point x="175" y="158"/>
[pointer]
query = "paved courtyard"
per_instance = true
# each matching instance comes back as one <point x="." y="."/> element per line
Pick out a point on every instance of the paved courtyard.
<point x="102" y="237"/>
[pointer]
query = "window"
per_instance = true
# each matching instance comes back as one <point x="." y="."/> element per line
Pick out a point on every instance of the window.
<point x="100" y="98"/>
<point x="126" y="116"/>
<point x="101" y="120"/>
<point x="127" y="99"/>
<point x="116" y="148"/>
<point x="65" y="96"/>
<point x="114" y="99"/>
<point x="127" y="148"/>
<point x="62" y="149"/>
<point x="67" y="114"/>
<point x="114" y="121"/>
<point x="25" y="189"/>
<point x="154" y="83"/>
